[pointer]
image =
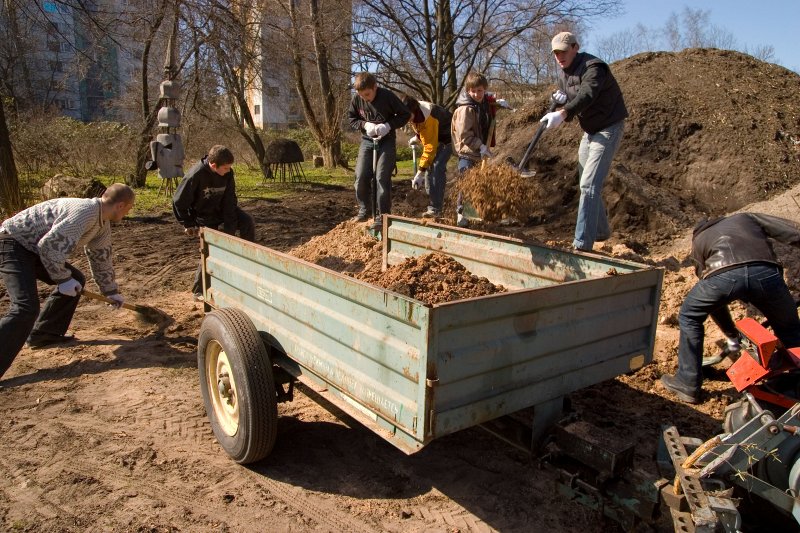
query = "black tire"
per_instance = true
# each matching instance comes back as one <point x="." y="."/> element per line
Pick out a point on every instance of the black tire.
<point x="237" y="385"/>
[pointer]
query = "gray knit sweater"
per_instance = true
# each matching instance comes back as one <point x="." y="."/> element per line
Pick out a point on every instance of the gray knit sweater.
<point x="55" y="228"/>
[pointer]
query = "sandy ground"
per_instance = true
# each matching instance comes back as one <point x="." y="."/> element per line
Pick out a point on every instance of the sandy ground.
<point x="109" y="433"/>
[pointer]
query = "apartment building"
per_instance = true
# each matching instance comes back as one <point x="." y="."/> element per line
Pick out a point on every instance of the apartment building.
<point x="64" y="57"/>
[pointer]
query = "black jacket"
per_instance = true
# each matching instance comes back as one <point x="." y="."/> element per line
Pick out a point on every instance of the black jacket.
<point x="385" y="107"/>
<point x="204" y="198"/>
<point x="593" y="94"/>
<point x="728" y="242"/>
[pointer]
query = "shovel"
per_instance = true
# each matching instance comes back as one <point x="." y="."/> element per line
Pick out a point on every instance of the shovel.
<point x="146" y="313"/>
<point x="542" y="126"/>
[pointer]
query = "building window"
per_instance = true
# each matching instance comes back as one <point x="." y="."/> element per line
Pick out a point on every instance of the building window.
<point x="257" y="110"/>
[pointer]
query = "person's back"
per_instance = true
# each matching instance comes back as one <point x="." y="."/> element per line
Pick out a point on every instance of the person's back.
<point x="734" y="261"/>
<point x="726" y="242"/>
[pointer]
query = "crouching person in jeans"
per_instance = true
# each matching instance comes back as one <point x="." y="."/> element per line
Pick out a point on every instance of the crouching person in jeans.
<point x="734" y="261"/>
<point x="206" y="197"/>
<point x="431" y="125"/>
<point x="35" y="244"/>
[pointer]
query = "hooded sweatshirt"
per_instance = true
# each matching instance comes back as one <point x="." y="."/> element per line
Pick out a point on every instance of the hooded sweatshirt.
<point x="470" y="127"/>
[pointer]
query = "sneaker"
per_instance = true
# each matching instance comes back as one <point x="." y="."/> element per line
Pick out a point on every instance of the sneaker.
<point x="361" y="217"/>
<point x="43" y="340"/>
<point x="377" y="224"/>
<point x="675" y="387"/>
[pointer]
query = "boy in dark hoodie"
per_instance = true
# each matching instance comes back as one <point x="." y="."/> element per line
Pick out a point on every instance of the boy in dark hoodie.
<point x="207" y="197"/>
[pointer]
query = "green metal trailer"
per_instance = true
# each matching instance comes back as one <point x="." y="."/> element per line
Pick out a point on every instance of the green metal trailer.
<point x="410" y="371"/>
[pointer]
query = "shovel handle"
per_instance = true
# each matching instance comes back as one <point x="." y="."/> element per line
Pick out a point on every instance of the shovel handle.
<point x="101" y="298"/>
<point x="539" y="132"/>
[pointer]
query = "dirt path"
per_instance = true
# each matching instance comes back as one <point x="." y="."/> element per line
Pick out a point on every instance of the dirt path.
<point x="109" y="433"/>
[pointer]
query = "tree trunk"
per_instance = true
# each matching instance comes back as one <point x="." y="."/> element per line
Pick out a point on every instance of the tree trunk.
<point x="10" y="197"/>
<point x="138" y="178"/>
<point x="332" y="154"/>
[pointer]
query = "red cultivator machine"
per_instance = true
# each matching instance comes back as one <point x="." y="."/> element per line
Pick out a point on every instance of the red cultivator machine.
<point x="765" y="369"/>
<point x="756" y="461"/>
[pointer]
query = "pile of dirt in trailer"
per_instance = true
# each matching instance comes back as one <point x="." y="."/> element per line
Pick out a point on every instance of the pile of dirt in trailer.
<point x="432" y="278"/>
<point x="709" y="131"/>
<point x="347" y="248"/>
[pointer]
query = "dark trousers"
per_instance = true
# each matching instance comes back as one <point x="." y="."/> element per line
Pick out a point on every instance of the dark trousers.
<point x="20" y="269"/>
<point x="374" y="188"/>
<point x="759" y="284"/>
<point x="246" y="227"/>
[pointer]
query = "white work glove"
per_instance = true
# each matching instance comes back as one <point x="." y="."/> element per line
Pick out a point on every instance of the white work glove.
<point x="553" y="119"/>
<point x="414" y="141"/>
<point x="559" y="97"/>
<point x="382" y="129"/>
<point x="501" y="102"/>
<point x="118" y="300"/>
<point x="71" y="287"/>
<point x="485" y="151"/>
<point x="419" y="180"/>
<point x="369" y="129"/>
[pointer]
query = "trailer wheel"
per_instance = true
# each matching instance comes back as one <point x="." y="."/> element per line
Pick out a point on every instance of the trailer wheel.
<point x="237" y="385"/>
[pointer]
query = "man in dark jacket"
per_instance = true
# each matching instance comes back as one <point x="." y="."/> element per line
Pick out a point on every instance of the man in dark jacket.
<point x="593" y="96"/>
<point x="734" y="261"/>
<point x="375" y="112"/>
<point x="207" y="197"/>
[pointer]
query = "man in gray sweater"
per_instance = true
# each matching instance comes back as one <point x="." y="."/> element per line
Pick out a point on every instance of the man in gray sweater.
<point x="35" y="244"/>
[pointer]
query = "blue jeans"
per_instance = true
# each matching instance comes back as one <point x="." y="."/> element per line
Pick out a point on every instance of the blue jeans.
<point x="246" y="227"/>
<point x="759" y="284"/>
<point x="595" y="154"/>
<point x="374" y="188"/>
<point x="20" y="269"/>
<point x="438" y="176"/>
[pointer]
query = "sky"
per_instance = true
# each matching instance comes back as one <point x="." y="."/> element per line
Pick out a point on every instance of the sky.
<point x="753" y="24"/>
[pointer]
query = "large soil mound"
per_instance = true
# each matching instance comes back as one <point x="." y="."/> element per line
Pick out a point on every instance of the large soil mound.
<point x="709" y="131"/>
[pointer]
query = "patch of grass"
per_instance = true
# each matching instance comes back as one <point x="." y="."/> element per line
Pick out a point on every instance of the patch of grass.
<point x="153" y="199"/>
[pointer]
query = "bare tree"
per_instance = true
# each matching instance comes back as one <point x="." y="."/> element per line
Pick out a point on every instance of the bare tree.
<point x="314" y="38"/>
<point x="762" y="52"/>
<point x="151" y="23"/>
<point x="427" y="47"/>
<point x="233" y="38"/>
